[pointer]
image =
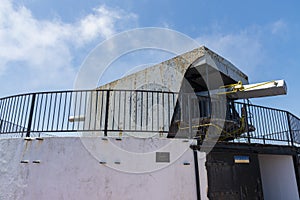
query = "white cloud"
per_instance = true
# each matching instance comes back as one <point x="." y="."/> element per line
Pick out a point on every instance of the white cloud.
<point x="101" y="23"/>
<point x="278" y="26"/>
<point x="43" y="48"/>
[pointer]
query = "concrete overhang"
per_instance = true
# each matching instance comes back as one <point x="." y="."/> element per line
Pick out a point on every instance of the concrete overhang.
<point x="200" y="67"/>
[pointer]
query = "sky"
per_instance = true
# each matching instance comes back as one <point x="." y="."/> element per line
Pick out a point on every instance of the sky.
<point x="43" y="43"/>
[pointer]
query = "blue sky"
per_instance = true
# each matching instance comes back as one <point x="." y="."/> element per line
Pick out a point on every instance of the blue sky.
<point x="44" y="42"/>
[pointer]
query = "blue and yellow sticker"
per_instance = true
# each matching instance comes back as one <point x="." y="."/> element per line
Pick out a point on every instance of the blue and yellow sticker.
<point x="241" y="159"/>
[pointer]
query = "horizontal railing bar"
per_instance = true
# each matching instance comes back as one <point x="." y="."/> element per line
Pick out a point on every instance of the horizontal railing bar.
<point x="87" y="90"/>
<point x="259" y="106"/>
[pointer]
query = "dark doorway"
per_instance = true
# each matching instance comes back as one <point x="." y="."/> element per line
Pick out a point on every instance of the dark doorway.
<point x="233" y="176"/>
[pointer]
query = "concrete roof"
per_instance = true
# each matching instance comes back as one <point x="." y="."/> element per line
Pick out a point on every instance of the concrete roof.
<point x="201" y="67"/>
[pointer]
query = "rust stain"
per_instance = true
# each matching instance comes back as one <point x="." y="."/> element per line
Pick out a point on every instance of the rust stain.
<point x="26" y="147"/>
<point x="39" y="143"/>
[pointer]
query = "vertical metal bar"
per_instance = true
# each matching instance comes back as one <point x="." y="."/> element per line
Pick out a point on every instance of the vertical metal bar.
<point x="263" y="121"/>
<point x="53" y="118"/>
<point x="7" y="115"/>
<point x="84" y="105"/>
<point x="152" y="120"/>
<point x="130" y="102"/>
<point x="8" y="123"/>
<point x="86" y="112"/>
<point x="13" y="114"/>
<point x="181" y="107"/>
<point x="278" y="124"/>
<point x="267" y="120"/>
<point x="12" y="122"/>
<point x="21" y="111"/>
<point x="59" y="114"/>
<point x="44" y="113"/>
<point x="49" y="113"/>
<point x="114" y="109"/>
<point x="64" y="111"/>
<point x="290" y="128"/>
<point x="272" y="122"/>
<point x="157" y="98"/>
<point x="197" y="179"/>
<point x="125" y="102"/>
<point x="6" y="106"/>
<point x="169" y="110"/>
<point x="283" y="126"/>
<point x="147" y="107"/>
<point x="163" y="110"/>
<point x="246" y="121"/>
<point x="91" y="108"/>
<point x="1" y="107"/>
<point x="106" y="112"/>
<point x="34" y="120"/>
<point x="17" y="114"/>
<point x="136" y="113"/>
<point x="190" y="116"/>
<point x="1" y="123"/>
<point x="280" y="128"/>
<point x="75" y="105"/>
<point x="282" y="121"/>
<point x="70" y="105"/>
<point x="275" y="124"/>
<point x="35" y="113"/>
<point x="30" y="115"/>
<point x="101" y="110"/>
<point x="272" y="128"/>
<point x="142" y="94"/>
<point x="252" y="120"/>
<point x="27" y="100"/>
<point x="79" y="111"/>
<point x="96" y="111"/>
<point x="119" y="110"/>
<point x="82" y="110"/>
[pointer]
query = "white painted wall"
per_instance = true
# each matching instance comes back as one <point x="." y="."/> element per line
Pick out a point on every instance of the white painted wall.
<point x="68" y="169"/>
<point x="202" y="175"/>
<point x="278" y="177"/>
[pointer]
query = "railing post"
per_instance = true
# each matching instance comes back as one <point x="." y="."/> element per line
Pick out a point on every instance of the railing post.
<point x="1" y="122"/>
<point x="30" y="115"/>
<point x="106" y="112"/>
<point x="290" y="128"/>
<point x="190" y="117"/>
<point x="246" y="121"/>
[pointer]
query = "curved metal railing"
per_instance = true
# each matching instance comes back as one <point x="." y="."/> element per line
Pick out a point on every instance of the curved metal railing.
<point x="104" y="112"/>
<point x="100" y="111"/>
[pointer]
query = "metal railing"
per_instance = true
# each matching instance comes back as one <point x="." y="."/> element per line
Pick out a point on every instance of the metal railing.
<point x="270" y="126"/>
<point x="87" y="111"/>
<point x="108" y="112"/>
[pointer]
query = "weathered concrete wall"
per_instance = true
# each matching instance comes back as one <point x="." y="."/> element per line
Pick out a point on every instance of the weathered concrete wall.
<point x="169" y="75"/>
<point x="69" y="168"/>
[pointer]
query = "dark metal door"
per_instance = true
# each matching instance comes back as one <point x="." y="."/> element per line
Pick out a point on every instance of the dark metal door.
<point x="230" y="179"/>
